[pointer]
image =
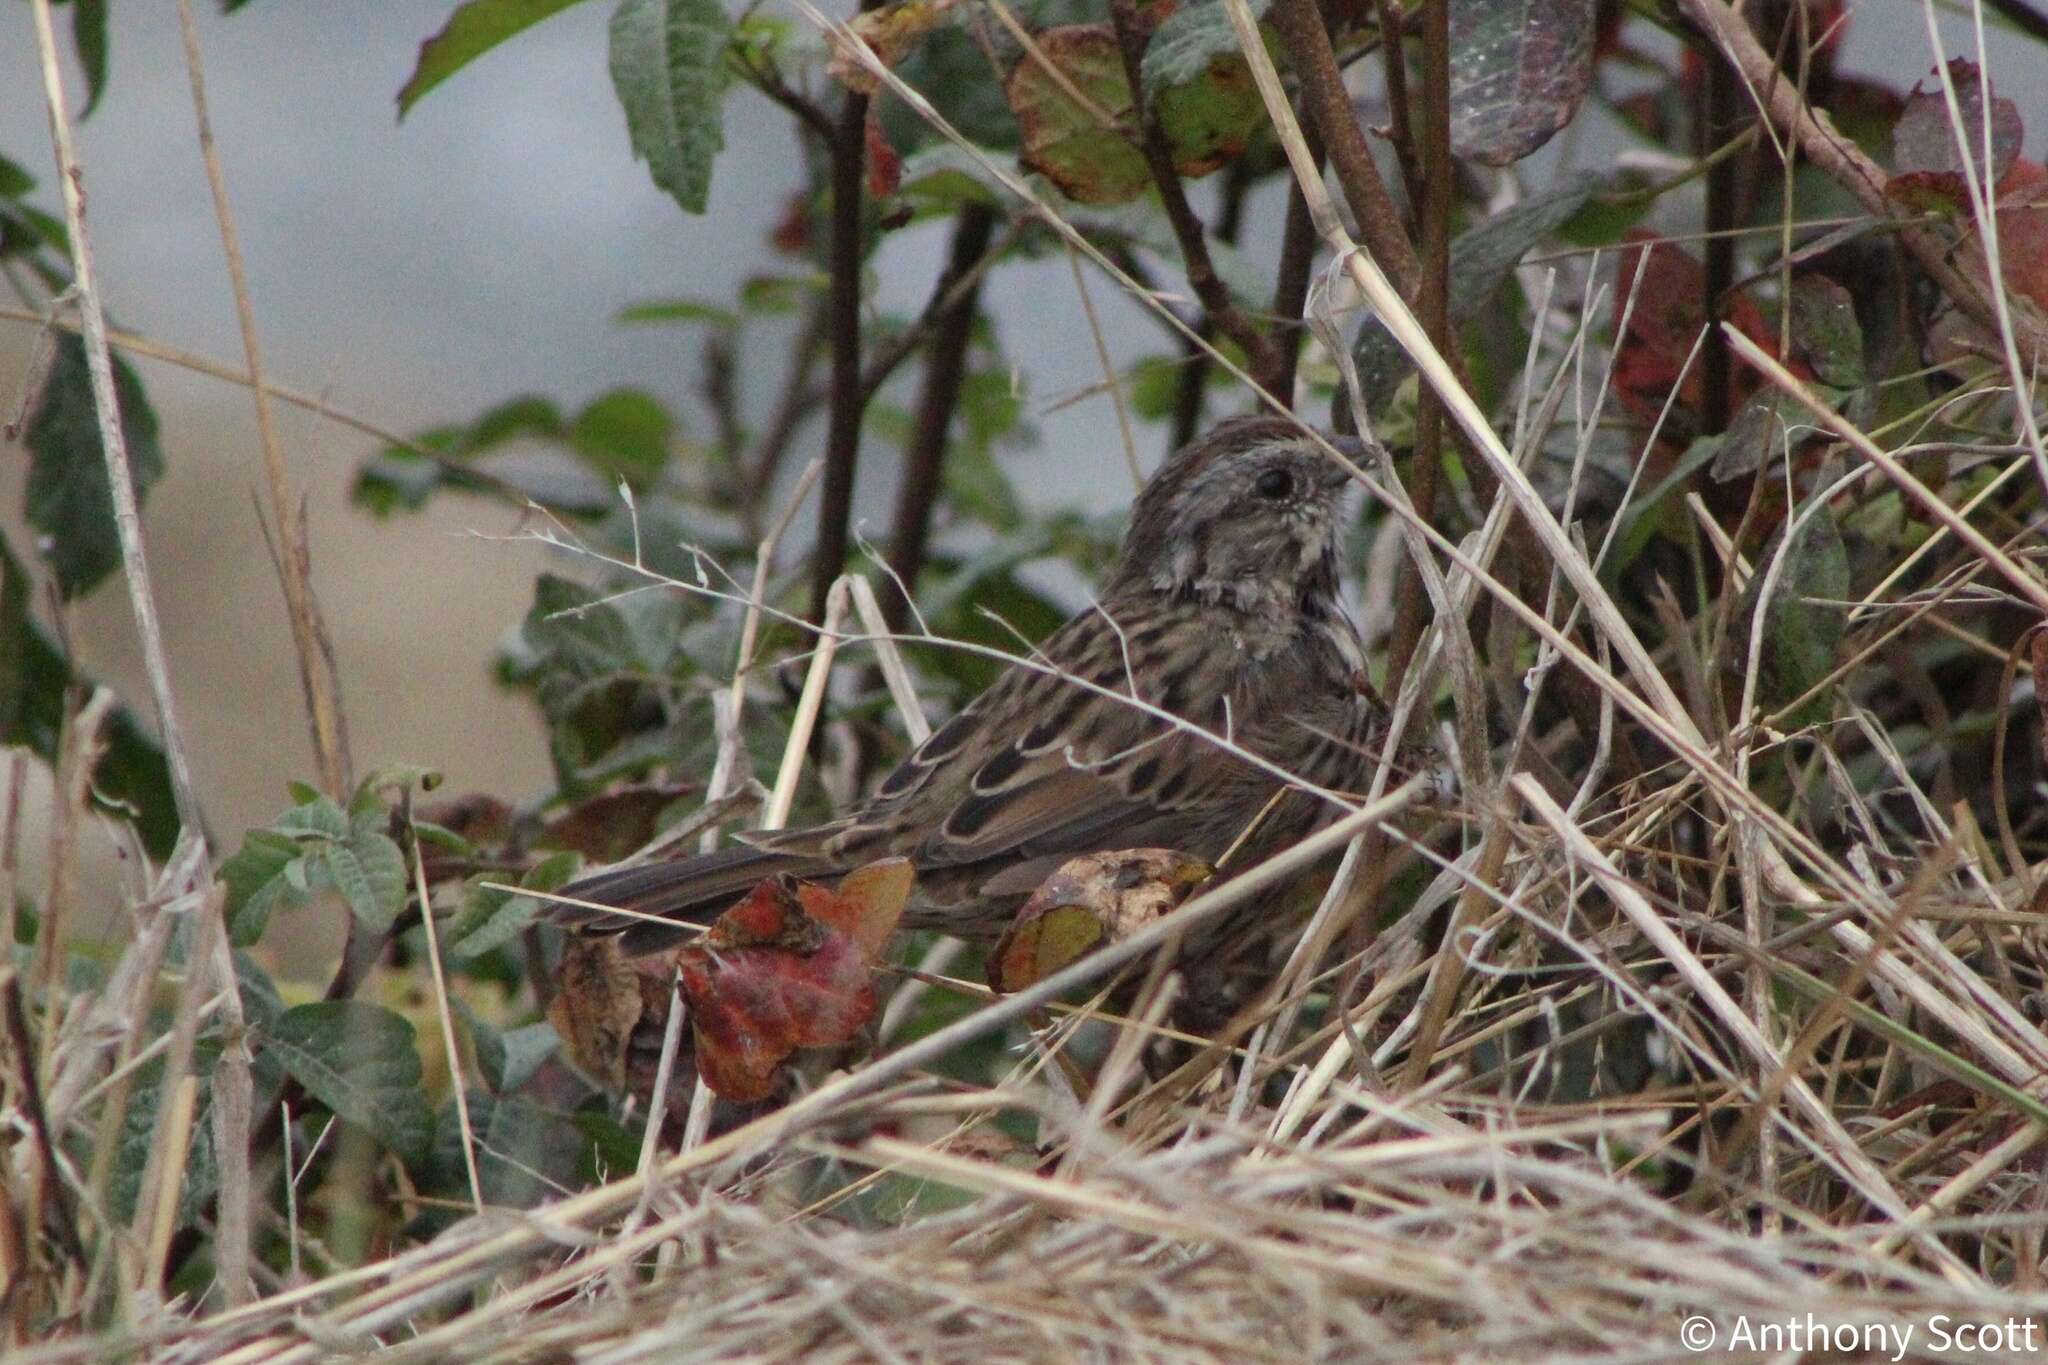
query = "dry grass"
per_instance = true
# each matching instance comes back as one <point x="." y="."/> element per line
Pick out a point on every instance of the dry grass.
<point x="1644" y="1046"/>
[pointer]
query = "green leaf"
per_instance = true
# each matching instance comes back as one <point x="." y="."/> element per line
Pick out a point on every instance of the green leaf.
<point x="1481" y="258"/>
<point x="1182" y="48"/>
<point x="257" y="885"/>
<point x="89" y="33"/>
<point x="369" y="871"/>
<point x="14" y="181"/>
<point x="625" y="434"/>
<point x="360" y="1061"/>
<point x="69" y="499"/>
<point x="1802" y="634"/>
<point x="528" y="415"/>
<point x="474" y="29"/>
<point x="1198" y="84"/>
<point x="944" y="178"/>
<point x="491" y="918"/>
<point x="35" y="678"/>
<point x="680" y="311"/>
<point x="1825" y="330"/>
<point x="666" y="59"/>
<point x="313" y="813"/>
<point x="507" y="1058"/>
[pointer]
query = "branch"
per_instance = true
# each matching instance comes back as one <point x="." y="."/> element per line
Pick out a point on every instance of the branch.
<point x="1188" y="231"/>
<point x="848" y="402"/>
<point x="1328" y="106"/>
<point x="1298" y="243"/>
<point x="1194" y="375"/>
<point x="1845" y="163"/>
<point x="926" y="456"/>
<point x="1425" y="472"/>
<point x="950" y="289"/>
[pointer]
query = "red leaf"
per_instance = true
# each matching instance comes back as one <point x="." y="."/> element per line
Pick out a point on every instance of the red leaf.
<point x="1668" y="315"/>
<point x="867" y="904"/>
<point x="2023" y="230"/>
<point x="769" y="979"/>
<point x="885" y="163"/>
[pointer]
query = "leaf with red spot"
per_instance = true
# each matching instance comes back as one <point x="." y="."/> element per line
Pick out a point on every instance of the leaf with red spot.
<point x="1927" y="165"/>
<point x="893" y="32"/>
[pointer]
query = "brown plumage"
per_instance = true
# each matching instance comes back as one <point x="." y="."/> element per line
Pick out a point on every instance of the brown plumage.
<point x="1222" y="611"/>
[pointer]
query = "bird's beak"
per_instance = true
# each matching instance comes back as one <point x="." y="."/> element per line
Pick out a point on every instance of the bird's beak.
<point x="1351" y="448"/>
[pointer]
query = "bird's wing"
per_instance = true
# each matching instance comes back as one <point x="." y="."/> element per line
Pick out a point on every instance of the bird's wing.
<point x="1039" y="765"/>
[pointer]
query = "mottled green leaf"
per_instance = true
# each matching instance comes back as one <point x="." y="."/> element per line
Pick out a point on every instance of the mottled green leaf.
<point x="490" y="917"/>
<point x="369" y="872"/>
<point x="257" y="885"/>
<point x="665" y="61"/>
<point x="360" y="1060"/>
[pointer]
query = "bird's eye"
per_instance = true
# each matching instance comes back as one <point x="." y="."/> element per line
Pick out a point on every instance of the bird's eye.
<point x="1274" y="484"/>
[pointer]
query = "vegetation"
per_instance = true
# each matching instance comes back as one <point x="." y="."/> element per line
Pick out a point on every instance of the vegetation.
<point x="1705" y="546"/>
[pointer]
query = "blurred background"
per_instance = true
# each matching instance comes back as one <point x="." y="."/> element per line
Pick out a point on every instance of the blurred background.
<point x="415" y="273"/>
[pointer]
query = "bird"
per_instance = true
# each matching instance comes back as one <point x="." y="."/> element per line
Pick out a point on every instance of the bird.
<point x="1223" y="611"/>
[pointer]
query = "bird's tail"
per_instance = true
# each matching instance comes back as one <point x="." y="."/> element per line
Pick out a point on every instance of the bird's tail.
<point x="689" y="891"/>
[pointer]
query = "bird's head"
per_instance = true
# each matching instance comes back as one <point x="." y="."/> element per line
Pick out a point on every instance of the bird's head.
<point x="1247" y="516"/>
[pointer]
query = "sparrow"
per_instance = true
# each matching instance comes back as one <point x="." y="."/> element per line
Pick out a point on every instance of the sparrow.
<point x="1210" y="701"/>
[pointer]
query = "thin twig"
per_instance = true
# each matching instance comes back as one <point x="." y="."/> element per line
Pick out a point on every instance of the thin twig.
<point x="113" y="441"/>
<point x="316" y="673"/>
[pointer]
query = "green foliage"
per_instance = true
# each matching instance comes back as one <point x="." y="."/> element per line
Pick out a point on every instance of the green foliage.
<point x="1803" y="625"/>
<point x="666" y="60"/>
<point x="600" y="667"/>
<point x="314" y="848"/>
<point x="361" y="1062"/>
<point x="69" y="500"/>
<point x="474" y="29"/>
<point x="89" y="36"/>
<point x="491" y="917"/>
<point x="625" y="434"/>
<point x="35" y="681"/>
